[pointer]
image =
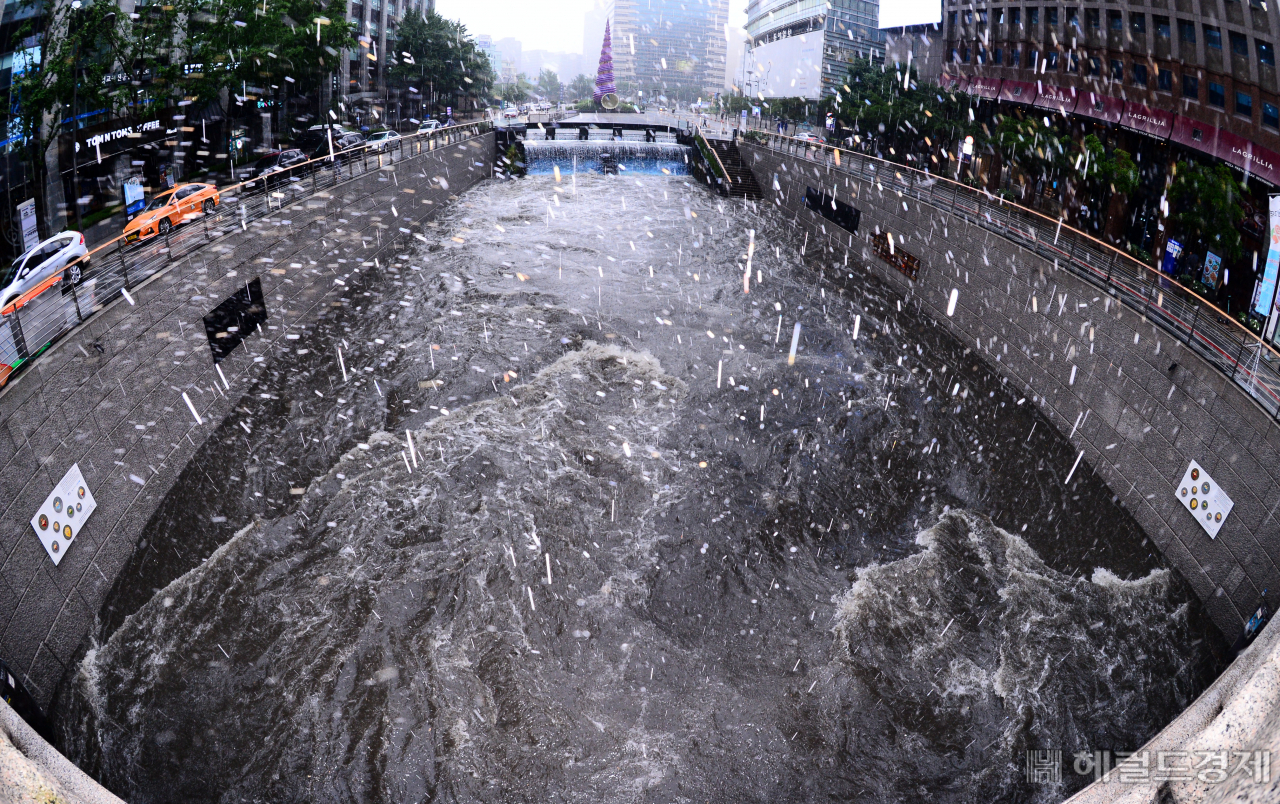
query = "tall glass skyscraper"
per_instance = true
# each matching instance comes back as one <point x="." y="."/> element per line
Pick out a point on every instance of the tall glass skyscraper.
<point x="669" y="48"/>
<point x="803" y="48"/>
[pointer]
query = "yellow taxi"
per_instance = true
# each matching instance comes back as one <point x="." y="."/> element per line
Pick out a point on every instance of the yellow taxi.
<point x="170" y="208"/>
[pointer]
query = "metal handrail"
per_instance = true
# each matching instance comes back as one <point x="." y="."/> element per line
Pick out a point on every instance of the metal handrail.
<point x="362" y="150"/>
<point x="1232" y="349"/>
<point x="46" y="315"/>
<point x="697" y="132"/>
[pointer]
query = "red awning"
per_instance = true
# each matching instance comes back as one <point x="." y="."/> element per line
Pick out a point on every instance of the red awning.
<point x="1059" y="99"/>
<point x="1195" y="135"/>
<point x="984" y="86"/>
<point x="1100" y="107"/>
<point x="951" y="83"/>
<point x="1018" y="92"/>
<point x="1155" y="122"/>
<point x="1249" y="157"/>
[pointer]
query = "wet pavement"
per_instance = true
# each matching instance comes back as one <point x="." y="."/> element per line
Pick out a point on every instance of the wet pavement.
<point x="634" y="552"/>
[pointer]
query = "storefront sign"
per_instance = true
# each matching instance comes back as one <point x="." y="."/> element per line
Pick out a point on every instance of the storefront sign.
<point x="1212" y="273"/>
<point x="1267" y="285"/>
<point x="1018" y="92"/>
<point x="63" y="514"/>
<point x="1196" y="135"/>
<point x="97" y="140"/>
<point x="1059" y="99"/>
<point x="1249" y="157"/>
<point x="984" y="87"/>
<point x="134" y="195"/>
<point x="1100" y="107"/>
<point x="1145" y="120"/>
<point x="1172" y="250"/>
<point x="1200" y="495"/>
<point x="27" y="224"/>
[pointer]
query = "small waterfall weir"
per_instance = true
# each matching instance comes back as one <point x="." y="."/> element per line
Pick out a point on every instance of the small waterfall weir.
<point x="588" y="156"/>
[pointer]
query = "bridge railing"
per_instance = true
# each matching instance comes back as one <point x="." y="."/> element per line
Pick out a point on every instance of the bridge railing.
<point x="35" y="320"/>
<point x="1215" y="336"/>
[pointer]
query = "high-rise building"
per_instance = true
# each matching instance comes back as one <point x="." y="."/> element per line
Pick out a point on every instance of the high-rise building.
<point x="1164" y="81"/>
<point x="803" y="48"/>
<point x="376" y="22"/>
<point x="669" y="48"/>
<point x="1212" y="64"/>
<point x="484" y="43"/>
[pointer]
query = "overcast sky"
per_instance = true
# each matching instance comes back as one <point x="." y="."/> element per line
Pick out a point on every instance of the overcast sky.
<point x="554" y="25"/>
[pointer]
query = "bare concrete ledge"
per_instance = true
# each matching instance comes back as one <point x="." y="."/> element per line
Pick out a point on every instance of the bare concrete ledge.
<point x="33" y="771"/>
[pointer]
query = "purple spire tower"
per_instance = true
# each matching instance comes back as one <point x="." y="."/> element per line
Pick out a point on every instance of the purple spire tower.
<point x="604" y="75"/>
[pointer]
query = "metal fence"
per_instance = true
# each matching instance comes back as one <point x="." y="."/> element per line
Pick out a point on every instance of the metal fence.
<point x="1209" y="332"/>
<point x="35" y="320"/>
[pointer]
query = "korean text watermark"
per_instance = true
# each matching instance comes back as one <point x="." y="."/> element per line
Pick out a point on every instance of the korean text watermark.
<point x="1046" y="766"/>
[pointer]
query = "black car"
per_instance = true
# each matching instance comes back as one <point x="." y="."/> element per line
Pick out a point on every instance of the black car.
<point x="315" y="142"/>
<point x="279" y="166"/>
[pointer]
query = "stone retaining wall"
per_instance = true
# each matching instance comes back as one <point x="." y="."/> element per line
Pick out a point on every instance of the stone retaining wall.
<point x="1145" y="406"/>
<point x="109" y="395"/>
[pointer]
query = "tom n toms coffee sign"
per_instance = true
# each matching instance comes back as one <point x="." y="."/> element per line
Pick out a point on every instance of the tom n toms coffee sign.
<point x="1200" y="495"/>
<point x="63" y="514"/>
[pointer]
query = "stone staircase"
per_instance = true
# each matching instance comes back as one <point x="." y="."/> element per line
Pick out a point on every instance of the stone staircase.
<point x="742" y="182"/>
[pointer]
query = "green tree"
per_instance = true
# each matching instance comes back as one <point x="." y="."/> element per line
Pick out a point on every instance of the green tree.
<point x="518" y="91"/>
<point x="240" y="46"/>
<point x="1114" y="171"/>
<point x="581" y="87"/>
<point x="549" y="85"/>
<point x="1034" y="150"/>
<point x="437" y="56"/>
<point x="900" y="118"/>
<point x="78" y="47"/>
<point x="1206" y="210"/>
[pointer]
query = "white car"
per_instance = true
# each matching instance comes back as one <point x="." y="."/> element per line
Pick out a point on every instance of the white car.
<point x="32" y="269"/>
<point x="429" y="126"/>
<point x="384" y="140"/>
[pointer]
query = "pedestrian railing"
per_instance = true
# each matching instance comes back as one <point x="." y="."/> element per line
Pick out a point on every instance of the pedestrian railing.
<point x="35" y="320"/>
<point x="1211" y="333"/>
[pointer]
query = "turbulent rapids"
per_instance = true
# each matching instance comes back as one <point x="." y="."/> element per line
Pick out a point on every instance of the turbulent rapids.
<point x="631" y="554"/>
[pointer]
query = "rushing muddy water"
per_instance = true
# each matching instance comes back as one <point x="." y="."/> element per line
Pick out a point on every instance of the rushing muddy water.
<point x="634" y="555"/>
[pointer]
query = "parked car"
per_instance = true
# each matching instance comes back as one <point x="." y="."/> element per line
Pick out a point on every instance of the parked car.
<point x="806" y="136"/>
<point x="384" y="140"/>
<point x="278" y="166"/>
<point x="39" y="265"/>
<point x="171" y="208"/>
<point x="428" y="126"/>
<point x="314" y="142"/>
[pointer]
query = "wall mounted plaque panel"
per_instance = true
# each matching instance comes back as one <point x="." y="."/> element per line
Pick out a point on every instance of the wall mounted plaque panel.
<point x="1200" y="495"/>
<point x="63" y="514"/>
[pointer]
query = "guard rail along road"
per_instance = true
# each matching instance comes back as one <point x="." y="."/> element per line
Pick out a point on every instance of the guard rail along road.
<point x="32" y="322"/>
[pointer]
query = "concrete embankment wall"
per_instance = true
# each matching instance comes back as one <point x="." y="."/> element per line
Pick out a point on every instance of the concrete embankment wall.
<point x="108" y="396"/>
<point x="1152" y="406"/>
